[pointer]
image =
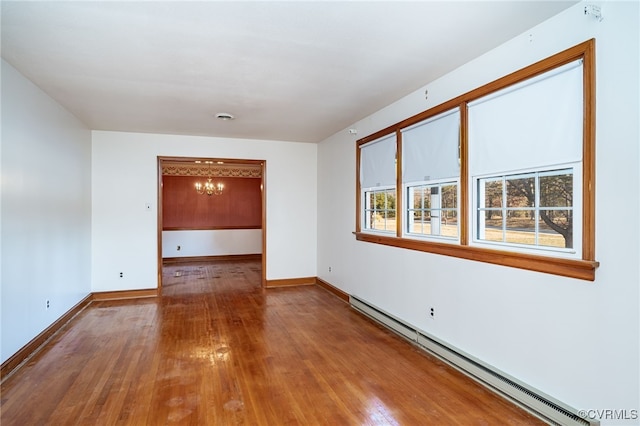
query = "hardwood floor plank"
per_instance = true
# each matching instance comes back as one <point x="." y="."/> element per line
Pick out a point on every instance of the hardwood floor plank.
<point x="218" y="349"/>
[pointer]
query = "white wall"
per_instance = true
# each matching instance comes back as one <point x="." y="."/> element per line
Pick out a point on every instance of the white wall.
<point x="577" y="341"/>
<point x="218" y="242"/>
<point x="124" y="180"/>
<point x="45" y="216"/>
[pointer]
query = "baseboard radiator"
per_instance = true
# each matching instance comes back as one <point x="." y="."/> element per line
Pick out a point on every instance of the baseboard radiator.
<point x="543" y="406"/>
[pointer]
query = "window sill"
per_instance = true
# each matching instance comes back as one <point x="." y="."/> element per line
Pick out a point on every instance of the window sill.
<point x="573" y="268"/>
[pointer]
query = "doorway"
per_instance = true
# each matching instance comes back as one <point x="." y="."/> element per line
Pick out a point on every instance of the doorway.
<point x="224" y="173"/>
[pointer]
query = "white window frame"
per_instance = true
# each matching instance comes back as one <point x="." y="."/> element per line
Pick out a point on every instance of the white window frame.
<point x="476" y="198"/>
<point x="437" y="135"/>
<point x="382" y="178"/>
<point x="408" y="222"/>
<point x="367" y="208"/>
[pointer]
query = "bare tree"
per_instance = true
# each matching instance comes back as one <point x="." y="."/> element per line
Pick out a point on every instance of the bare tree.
<point x="555" y="191"/>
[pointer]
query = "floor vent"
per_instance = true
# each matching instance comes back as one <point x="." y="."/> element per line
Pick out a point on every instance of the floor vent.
<point x="538" y="403"/>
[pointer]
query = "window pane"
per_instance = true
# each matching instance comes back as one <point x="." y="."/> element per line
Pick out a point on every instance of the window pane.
<point x="371" y="217"/>
<point x="415" y="225"/>
<point x="492" y="193"/>
<point x="520" y="227"/>
<point x="390" y="221"/>
<point x="521" y="192"/>
<point x="390" y="202"/>
<point x="556" y="228"/>
<point x="449" y="227"/>
<point x="427" y="224"/>
<point x="380" y="201"/>
<point x="492" y="230"/>
<point x="427" y="198"/>
<point x="449" y="196"/>
<point x="371" y="200"/>
<point x="417" y="197"/>
<point x="556" y="190"/>
<point x="378" y="221"/>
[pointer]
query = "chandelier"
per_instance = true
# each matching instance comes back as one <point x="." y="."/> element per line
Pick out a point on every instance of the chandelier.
<point x="209" y="188"/>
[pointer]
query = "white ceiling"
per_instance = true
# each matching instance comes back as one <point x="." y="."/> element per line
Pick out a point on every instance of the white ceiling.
<point x="291" y="71"/>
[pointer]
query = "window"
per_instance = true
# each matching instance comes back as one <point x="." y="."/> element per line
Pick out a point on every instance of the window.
<point x="531" y="210"/>
<point x="380" y="209"/>
<point x="503" y="174"/>
<point x="529" y="127"/>
<point x="433" y="210"/>
<point x="431" y="171"/>
<point x="378" y="183"/>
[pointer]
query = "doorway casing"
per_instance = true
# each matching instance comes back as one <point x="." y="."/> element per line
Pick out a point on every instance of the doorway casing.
<point x="263" y="186"/>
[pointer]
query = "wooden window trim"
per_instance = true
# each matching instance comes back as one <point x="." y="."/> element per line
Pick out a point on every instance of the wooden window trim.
<point x="584" y="268"/>
<point x="574" y="268"/>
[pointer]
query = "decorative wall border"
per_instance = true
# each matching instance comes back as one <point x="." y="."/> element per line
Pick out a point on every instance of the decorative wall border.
<point x="213" y="170"/>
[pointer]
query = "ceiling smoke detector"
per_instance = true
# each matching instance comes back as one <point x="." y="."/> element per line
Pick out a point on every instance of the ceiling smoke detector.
<point x="224" y="116"/>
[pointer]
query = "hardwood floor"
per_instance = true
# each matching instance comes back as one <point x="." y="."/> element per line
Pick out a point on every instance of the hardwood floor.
<point x="217" y="349"/>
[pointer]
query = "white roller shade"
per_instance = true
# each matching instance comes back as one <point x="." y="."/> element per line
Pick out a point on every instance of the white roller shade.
<point x="378" y="163"/>
<point x="430" y="148"/>
<point x="532" y="124"/>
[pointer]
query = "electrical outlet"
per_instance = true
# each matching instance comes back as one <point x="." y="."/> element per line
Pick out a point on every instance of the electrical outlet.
<point x="121" y="274"/>
<point x="178" y="248"/>
<point x="48" y="304"/>
<point x="329" y="268"/>
<point x="432" y="312"/>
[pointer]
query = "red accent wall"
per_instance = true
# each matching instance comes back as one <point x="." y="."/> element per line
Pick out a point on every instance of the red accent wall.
<point x="239" y="206"/>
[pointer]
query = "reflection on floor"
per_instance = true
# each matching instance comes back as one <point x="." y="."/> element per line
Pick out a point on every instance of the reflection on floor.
<point x="217" y="349"/>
